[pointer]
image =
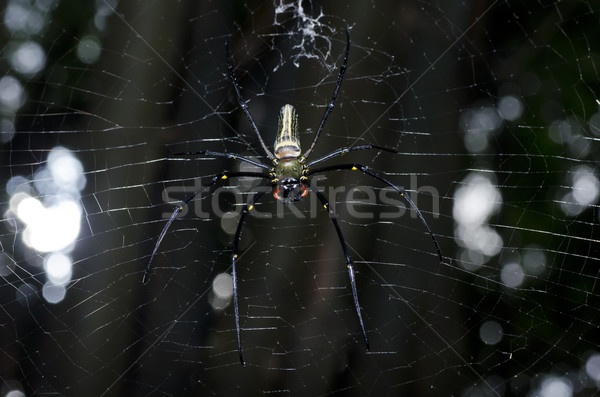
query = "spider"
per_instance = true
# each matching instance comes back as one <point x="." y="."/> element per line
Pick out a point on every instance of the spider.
<point x="289" y="174"/>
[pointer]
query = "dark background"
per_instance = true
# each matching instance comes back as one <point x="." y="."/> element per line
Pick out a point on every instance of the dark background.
<point x="415" y="68"/>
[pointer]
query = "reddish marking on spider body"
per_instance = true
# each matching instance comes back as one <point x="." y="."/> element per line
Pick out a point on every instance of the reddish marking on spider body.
<point x="278" y="197"/>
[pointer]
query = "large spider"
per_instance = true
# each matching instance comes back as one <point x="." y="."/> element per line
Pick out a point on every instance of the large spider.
<point x="289" y="175"/>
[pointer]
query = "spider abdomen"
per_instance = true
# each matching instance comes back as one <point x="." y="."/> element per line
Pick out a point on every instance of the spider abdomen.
<point x="287" y="143"/>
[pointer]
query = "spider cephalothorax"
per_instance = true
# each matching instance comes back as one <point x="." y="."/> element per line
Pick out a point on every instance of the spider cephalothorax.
<point x="290" y="177"/>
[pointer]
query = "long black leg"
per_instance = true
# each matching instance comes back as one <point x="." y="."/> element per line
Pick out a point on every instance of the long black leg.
<point x="333" y="98"/>
<point x="399" y="189"/>
<point x="349" y="263"/>
<point x="234" y="156"/>
<point x="238" y="234"/>
<point x="243" y="104"/>
<point x="345" y="150"/>
<point x="179" y="208"/>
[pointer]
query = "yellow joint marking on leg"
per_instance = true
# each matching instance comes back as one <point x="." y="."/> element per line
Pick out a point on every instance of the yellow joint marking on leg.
<point x="235" y="256"/>
<point x="325" y="206"/>
<point x="250" y="208"/>
<point x="402" y="194"/>
<point x="354" y="168"/>
<point x="224" y="177"/>
<point x="180" y="208"/>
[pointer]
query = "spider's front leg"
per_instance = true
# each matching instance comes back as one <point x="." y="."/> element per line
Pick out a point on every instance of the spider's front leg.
<point x="366" y="170"/>
<point x="349" y="263"/>
<point x="219" y="177"/>
<point x="238" y="234"/>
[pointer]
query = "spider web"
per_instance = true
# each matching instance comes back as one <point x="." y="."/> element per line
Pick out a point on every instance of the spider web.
<point x="492" y="107"/>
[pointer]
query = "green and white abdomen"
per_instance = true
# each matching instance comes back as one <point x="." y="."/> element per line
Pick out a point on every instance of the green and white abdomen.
<point x="287" y="143"/>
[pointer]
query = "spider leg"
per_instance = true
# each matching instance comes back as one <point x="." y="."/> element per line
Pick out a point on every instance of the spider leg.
<point x="234" y="156"/>
<point x="345" y="150"/>
<point x="349" y="263"/>
<point x="243" y="104"/>
<point x="399" y="189"/>
<point x="238" y="234"/>
<point x="179" y="208"/>
<point x="333" y="98"/>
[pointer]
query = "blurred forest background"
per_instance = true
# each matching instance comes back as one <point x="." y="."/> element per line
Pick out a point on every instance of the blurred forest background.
<point x="492" y="105"/>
